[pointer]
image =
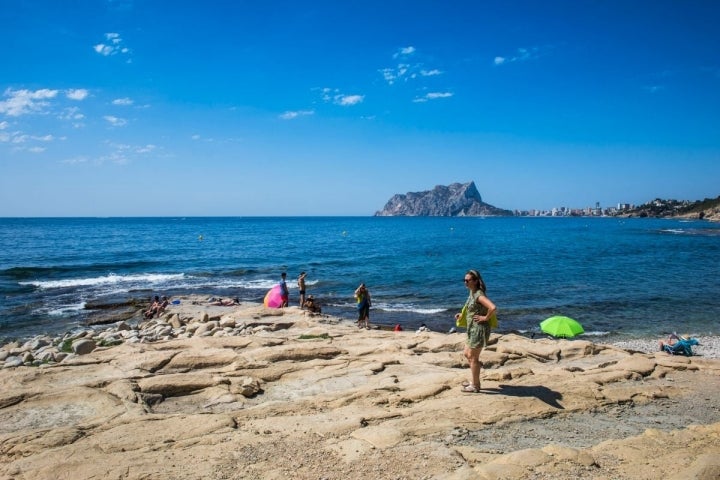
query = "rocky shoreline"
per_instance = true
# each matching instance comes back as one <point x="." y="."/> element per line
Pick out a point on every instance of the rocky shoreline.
<point x="117" y="322"/>
<point x="247" y="392"/>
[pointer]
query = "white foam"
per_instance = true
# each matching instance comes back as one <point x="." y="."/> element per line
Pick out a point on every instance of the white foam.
<point x="64" y="309"/>
<point x="110" y="279"/>
<point x="596" y="334"/>
<point x="400" y="307"/>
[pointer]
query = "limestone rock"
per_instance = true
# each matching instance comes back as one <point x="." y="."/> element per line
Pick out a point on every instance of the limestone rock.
<point x="352" y="404"/>
<point x="83" y="346"/>
<point x="455" y="200"/>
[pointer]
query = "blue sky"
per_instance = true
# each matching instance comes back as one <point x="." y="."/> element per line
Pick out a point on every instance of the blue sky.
<point x="141" y="107"/>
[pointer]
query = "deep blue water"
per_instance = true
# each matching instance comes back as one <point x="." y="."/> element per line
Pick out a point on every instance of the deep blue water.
<point x="618" y="277"/>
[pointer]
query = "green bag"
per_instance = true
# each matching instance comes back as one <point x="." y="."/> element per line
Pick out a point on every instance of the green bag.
<point x="493" y="321"/>
<point x="462" y="319"/>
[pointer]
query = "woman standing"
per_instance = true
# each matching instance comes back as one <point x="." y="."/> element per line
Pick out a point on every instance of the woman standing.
<point x="479" y="309"/>
<point x="362" y="296"/>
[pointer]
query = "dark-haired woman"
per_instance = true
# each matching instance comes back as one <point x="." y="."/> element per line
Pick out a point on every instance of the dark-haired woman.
<point x="479" y="311"/>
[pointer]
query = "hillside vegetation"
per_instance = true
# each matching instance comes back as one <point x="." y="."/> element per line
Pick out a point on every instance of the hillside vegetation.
<point x="708" y="209"/>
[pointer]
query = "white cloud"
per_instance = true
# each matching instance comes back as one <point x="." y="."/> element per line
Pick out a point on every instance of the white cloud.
<point x="115" y="121"/>
<point x="433" y="96"/>
<point x="121" y="153"/>
<point x="77" y="94"/>
<point x="522" y="55"/>
<point x="348" y="100"/>
<point x="405" y="51"/>
<point x="113" y="45"/>
<point x="334" y="96"/>
<point x="389" y="75"/>
<point x="123" y="101"/>
<point x="75" y="160"/>
<point x="4" y="125"/>
<point x="71" y="113"/>
<point x="290" y="115"/>
<point x="21" y="102"/>
<point x="146" y="149"/>
<point x="405" y="70"/>
<point x="196" y="137"/>
<point x="36" y="149"/>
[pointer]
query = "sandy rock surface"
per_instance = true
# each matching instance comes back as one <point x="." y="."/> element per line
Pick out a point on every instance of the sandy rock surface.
<point x="295" y="396"/>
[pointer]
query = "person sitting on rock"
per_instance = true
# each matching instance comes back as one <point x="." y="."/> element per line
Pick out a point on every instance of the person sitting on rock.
<point x="311" y="306"/>
<point x="153" y="308"/>
<point x="163" y="305"/>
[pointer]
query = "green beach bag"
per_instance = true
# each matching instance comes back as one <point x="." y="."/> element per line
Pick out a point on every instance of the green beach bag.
<point x="462" y="319"/>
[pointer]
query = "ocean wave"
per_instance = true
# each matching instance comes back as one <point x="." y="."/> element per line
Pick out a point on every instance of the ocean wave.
<point x="703" y="232"/>
<point x="388" y="307"/>
<point x="65" y="309"/>
<point x="393" y="307"/>
<point x="26" y="272"/>
<point x="596" y="334"/>
<point x="110" y="279"/>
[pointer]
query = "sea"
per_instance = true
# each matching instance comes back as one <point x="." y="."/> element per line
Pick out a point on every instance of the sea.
<point x="621" y="278"/>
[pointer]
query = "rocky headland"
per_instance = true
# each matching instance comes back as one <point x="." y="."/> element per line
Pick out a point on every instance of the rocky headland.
<point x="245" y="392"/>
<point x="455" y="200"/>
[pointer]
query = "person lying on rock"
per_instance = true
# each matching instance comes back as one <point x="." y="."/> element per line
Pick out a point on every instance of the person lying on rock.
<point x="225" y="303"/>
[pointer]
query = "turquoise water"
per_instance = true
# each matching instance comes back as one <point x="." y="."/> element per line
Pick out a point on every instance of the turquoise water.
<point x="618" y="277"/>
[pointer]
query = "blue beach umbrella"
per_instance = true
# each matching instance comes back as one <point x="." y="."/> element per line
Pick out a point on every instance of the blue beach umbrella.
<point x="559" y="326"/>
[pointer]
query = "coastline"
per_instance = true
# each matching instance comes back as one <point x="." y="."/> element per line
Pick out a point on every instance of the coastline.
<point x="249" y="392"/>
<point x="109" y="333"/>
<point x="115" y="328"/>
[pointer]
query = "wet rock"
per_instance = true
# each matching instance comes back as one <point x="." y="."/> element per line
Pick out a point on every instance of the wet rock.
<point x="111" y="316"/>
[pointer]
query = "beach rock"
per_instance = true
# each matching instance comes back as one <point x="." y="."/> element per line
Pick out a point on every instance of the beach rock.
<point x="205" y="329"/>
<point x="227" y="322"/>
<point x="104" y="317"/>
<point x="245" y="386"/>
<point x="83" y="346"/>
<point x="177" y="384"/>
<point x="13" y="361"/>
<point x="47" y="355"/>
<point x="123" y="326"/>
<point x="37" y="343"/>
<point x="174" y="321"/>
<point x="305" y="399"/>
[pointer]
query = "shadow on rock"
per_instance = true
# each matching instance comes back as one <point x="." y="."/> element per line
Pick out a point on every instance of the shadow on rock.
<point x="548" y="396"/>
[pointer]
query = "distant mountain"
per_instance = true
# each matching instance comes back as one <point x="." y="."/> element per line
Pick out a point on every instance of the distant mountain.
<point x="456" y="200"/>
